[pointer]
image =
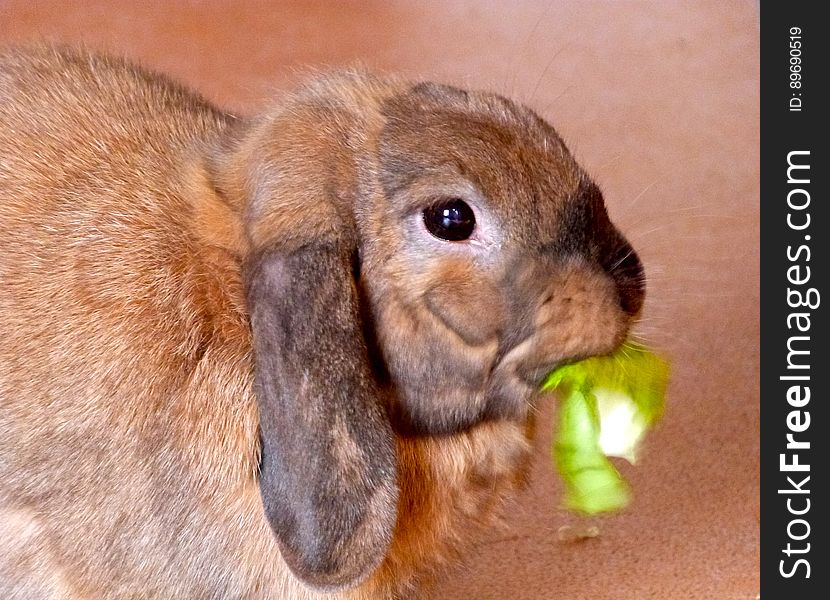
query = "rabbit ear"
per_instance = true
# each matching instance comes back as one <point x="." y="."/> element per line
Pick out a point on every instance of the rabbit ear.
<point x="328" y="471"/>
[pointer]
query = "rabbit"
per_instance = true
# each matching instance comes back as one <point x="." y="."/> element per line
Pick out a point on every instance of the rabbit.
<point x="293" y="355"/>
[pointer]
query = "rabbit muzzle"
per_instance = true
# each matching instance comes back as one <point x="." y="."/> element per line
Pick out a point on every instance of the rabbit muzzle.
<point x="581" y="310"/>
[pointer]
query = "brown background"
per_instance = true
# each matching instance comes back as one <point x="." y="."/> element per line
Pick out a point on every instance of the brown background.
<point x="659" y="100"/>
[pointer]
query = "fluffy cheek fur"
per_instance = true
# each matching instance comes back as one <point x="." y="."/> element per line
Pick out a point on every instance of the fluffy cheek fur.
<point x="426" y="307"/>
<point x="458" y="296"/>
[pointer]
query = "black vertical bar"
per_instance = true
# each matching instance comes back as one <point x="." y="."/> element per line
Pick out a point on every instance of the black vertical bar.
<point x="794" y="369"/>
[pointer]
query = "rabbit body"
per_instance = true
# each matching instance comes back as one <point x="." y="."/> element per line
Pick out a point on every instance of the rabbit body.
<point x="137" y="271"/>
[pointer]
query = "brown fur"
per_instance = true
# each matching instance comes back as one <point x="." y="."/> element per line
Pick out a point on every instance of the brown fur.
<point x="150" y="248"/>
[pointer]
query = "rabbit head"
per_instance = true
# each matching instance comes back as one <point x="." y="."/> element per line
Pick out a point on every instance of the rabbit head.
<point x="417" y="258"/>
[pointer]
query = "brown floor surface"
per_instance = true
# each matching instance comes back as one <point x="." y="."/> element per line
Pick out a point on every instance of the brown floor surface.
<point x="660" y="102"/>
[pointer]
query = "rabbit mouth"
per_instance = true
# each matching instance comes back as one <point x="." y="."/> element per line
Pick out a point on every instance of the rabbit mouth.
<point x="447" y="380"/>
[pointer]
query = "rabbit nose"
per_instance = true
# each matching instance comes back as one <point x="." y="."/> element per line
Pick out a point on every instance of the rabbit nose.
<point x="587" y="231"/>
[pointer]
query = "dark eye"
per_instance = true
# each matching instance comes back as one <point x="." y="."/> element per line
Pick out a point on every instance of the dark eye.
<point x="452" y="220"/>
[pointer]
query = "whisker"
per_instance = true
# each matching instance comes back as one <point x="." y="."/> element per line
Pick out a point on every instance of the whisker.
<point x="642" y="234"/>
<point x="523" y="49"/>
<point x="546" y="109"/>
<point x="603" y="166"/>
<point x="685" y="209"/>
<point x="642" y="193"/>
<point x="544" y="72"/>
<point x="619" y="262"/>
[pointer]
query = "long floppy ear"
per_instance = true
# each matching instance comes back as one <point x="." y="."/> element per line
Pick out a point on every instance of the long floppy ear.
<point x="328" y="471"/>
<point x="328" y="467"/>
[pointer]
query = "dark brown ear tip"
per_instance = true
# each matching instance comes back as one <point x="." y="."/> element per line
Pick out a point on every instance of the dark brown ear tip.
<point x="318" y="552"/>
<point x="333" y="526"/>
<point x="330" y="577"/>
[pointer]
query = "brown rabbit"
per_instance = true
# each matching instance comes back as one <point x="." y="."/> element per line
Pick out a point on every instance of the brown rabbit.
<point x="282" y="356"/>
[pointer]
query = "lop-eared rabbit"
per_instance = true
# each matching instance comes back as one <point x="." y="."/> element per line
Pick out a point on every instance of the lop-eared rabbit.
<point x="283" y="356"/>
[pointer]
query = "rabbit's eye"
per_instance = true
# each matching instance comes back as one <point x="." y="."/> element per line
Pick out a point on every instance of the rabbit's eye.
<point x="452" y="220"/>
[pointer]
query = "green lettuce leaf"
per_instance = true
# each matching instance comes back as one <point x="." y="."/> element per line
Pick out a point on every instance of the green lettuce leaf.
<point x="608" y="403"/>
